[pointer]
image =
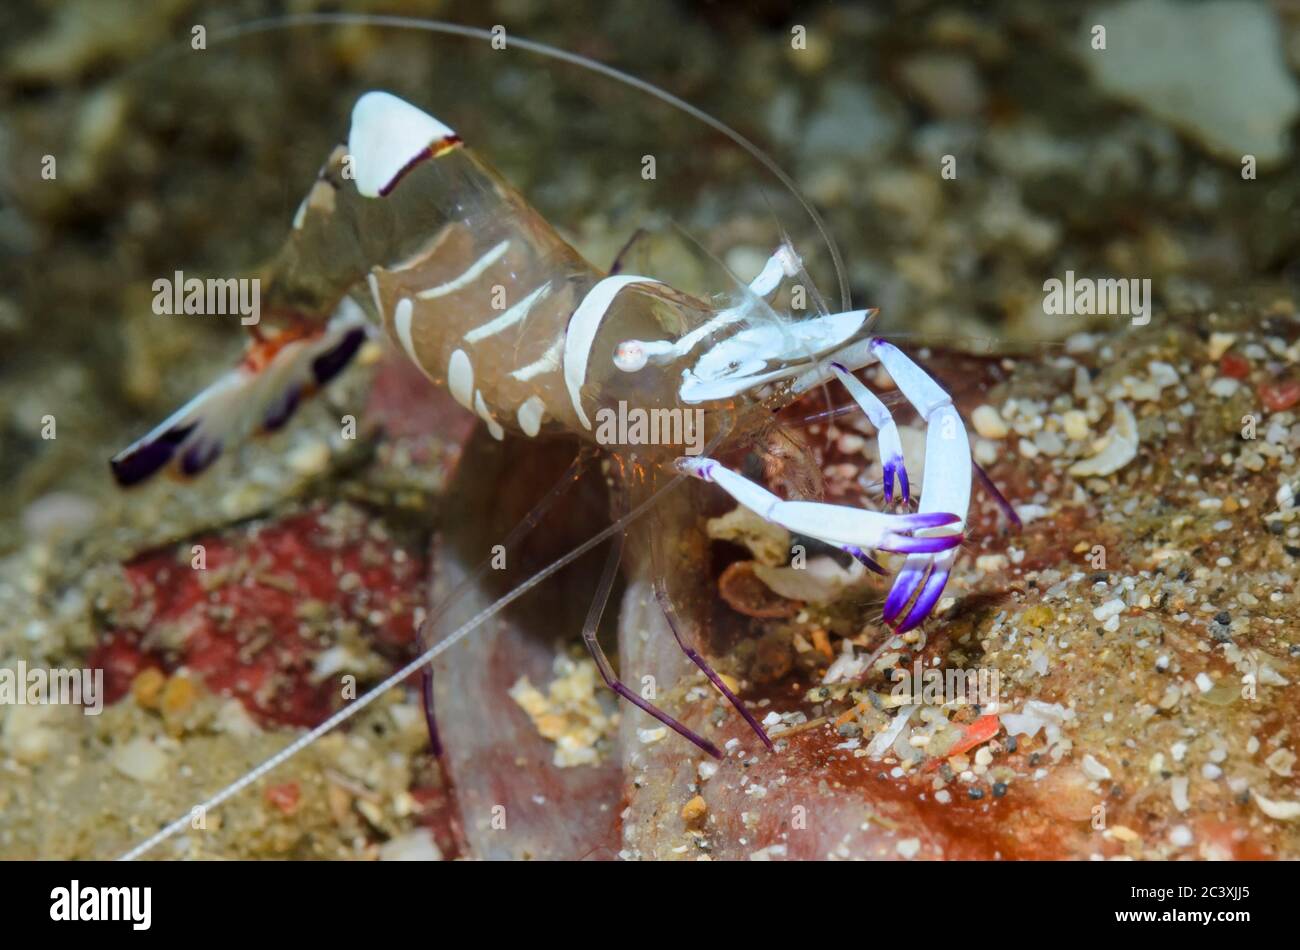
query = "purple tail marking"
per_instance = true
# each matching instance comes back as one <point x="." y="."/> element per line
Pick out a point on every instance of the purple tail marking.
<point x="133" y="466"/>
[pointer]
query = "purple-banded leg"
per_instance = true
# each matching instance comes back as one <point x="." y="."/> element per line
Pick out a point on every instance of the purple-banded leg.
<point x="602" y="662"/>
<point x="838" y="525"/>
<point x="674" y="624"/>
<point x="947" y="481"/>
<point x="945" y="486"/>
<point x="429" y="630"/>
<point x="862" y="558"/>
<point x="997" y="496"/>
<point x="426" y="704"/>
<point x="891" y="446"/>
<point x="620" y="259"/>
<point x="840" y="366"/>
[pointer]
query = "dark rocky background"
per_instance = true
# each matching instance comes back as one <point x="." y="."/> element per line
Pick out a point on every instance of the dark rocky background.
<point x="1126" y="162"/>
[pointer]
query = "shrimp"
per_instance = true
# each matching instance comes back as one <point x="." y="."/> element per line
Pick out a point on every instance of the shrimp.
<point x="438" y="237"/>
<point x="406" y="228"/>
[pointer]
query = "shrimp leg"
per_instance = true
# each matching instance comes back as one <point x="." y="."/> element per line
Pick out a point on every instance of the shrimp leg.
<point x="429" y="629"/>
<point x="602" y="662"/>
<point x="838" y="525"/>
<point x="946" y="484"/>
<point x="670" y="614"/>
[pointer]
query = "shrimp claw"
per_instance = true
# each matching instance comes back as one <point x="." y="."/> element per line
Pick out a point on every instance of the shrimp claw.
<point x="837" y="525"/>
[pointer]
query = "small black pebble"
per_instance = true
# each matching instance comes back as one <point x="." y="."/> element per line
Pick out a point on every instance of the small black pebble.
<point x="1100" y="577"/>
<point x="976" y="793"/>
<point x="1034" y="758"/>
<point x="999" y="789"/>
<point x="1223" y="617"/>
<point x="1011" y="744"/>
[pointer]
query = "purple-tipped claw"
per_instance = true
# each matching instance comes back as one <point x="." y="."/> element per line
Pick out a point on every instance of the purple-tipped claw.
<point x="925" y="600"/>
<point x="908" y="545"/>
<point x="889" y="482"/>
<point x="909" y="578"/>
<point x="902" y="482"/>
<point x="695" y="467"/>
<point x="862" y="558"/>
<point x="929" y="519"/>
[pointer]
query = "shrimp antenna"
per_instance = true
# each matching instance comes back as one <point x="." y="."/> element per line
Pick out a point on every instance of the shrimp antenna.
<point x="845" y="296"/>
<point x="615" y="529"/>
<point x="291" y="20"/>
<point x="818" y="301"/>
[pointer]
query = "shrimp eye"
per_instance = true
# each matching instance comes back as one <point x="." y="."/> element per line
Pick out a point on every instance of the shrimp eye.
<point x="630" y="356"/>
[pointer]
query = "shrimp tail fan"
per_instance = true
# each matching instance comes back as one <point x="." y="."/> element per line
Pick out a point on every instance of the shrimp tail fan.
<point x="260" y="394"/>
<point x="315" y="327"/>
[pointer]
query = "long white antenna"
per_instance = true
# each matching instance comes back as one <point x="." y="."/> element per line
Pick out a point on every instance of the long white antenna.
<point x="436" y="26"/>
<point x="347" y="712"/>
<point x="270" y="24"/>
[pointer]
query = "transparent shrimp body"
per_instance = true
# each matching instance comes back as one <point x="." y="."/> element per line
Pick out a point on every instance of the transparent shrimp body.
<point x="486" y="298"/>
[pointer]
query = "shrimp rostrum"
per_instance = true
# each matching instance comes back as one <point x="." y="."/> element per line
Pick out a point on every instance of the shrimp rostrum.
<point x="407" y="227"/>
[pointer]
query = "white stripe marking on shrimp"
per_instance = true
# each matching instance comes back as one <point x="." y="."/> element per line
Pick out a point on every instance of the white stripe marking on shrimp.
<point x="460" y="378"/>
<point x="509" y="318"/>
<point x="548" y="363"/>
<point x="386" y="135"/>
<point x="473" y="273"/>
<point x="581" y="335"/>
<point x="373" y="281"/>
<point x="402" y="314"/>
<point x="530" y="415"/>
<point x="485" y="414"/>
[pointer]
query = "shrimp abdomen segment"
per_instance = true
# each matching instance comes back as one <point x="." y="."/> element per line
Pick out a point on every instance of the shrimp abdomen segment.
<point x="484" y="315"/>
<point x="483" y="303"/>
